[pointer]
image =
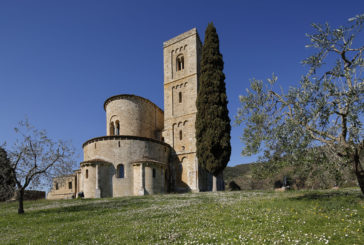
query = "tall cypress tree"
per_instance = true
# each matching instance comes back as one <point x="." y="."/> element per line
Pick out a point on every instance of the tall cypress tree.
<point x="212" y="121"/>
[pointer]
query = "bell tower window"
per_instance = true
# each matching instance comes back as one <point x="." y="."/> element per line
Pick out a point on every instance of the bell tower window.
<point x="180" y="97"/>
<point x="180" y="63"/>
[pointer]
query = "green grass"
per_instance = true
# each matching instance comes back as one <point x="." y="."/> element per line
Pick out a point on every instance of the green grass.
<point x="248" y="217"/>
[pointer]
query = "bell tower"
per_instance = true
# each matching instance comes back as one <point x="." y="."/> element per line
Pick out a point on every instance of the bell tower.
<point x="181" y="69"/>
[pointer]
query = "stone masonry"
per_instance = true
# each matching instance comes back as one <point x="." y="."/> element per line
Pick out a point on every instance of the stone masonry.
<point x="146" y="150"/>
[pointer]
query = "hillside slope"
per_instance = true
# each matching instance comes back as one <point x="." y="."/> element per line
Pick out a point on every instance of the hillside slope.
<point x="240" y="174"/>
<point x="250" y="217"/>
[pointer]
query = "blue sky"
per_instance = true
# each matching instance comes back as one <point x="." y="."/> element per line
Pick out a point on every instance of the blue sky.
<point x="60" y="60"/>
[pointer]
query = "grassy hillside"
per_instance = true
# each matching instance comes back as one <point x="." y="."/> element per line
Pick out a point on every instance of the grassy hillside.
<point x="240" y="174"/>
<point x="259" y="217"/>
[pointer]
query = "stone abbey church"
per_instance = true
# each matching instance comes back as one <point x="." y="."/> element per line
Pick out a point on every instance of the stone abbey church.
<point x="145" y="150"/>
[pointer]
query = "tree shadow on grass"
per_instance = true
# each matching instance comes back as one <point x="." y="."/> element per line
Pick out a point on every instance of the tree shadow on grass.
<point x="328" y="195"/>
<point x="100" y="207"/>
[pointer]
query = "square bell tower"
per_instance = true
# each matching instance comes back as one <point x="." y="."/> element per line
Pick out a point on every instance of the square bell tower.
<point x="181" y="71"/>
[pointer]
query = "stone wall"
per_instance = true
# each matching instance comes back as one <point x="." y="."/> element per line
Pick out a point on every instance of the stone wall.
<point x="154" y="183"/>
<point x="88" y="171"/>
<point x="137" y="116"/>
<point x="63" y="187"/>
<point x="30" y="195"/>
<point x="120" y="150"/>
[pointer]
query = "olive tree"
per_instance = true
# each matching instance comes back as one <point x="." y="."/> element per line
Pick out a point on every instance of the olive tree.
<point x="325" y="111"/>
<point x="35" y="159"/>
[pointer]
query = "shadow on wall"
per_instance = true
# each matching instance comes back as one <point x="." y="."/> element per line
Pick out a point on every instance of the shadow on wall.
<point x="105" y="175"/>
<point x="174" y="177"/>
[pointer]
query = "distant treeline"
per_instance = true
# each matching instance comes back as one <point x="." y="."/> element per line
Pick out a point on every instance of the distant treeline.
<point x="250" y="177"/>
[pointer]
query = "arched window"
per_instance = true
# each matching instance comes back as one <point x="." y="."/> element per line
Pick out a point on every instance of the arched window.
<point x="180" y="63"/>
<point x="180" y="134"/>
<point x="180" y="97"/>
<point x="117" y="128"/>
<point x="86" y="173"/>
<point x="112" y="128"/>
<point x="120" y="169"/>
<point x="57" y="186"/>
<point x="154" y="173"/>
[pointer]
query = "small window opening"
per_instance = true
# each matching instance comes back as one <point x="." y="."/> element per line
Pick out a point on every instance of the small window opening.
<point x="119" y="143"/>
<point x="154" y="173"/>
<point x="180" y="135"/>
<point x="117" y="128"/>
<point x="86" y="173"/>
<point x="180" y="97"/>
<point x="163" y="139"/>
<point x="57" y="187"/>
<point x="180" y="63"/>
<point x="120" y="171"/>
<point x="69" y="185"/>
<point x="95" y="145"/>
<point x="112" y="129"/>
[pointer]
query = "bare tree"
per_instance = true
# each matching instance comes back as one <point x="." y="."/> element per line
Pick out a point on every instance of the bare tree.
<point x="35" y="159"/>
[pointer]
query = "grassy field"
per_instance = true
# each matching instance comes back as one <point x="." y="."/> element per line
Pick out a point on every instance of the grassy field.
<point x="247" y="217"/>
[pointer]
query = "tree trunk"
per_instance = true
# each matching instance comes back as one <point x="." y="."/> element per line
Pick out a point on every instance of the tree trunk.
<point x="20" y="199"/>
<point x="359" y="172"/>
<point x="360" y="177"/>
<point x="221" y="185"/>
<point x="214" y="183"/>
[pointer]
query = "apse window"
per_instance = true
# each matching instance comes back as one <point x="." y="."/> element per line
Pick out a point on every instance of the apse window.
<point x="120" y="170"/>
<point x="117" y="128"/>
<point x="180" y="97"/>
<point x="86" y="173"/>
<point x="69" y="185"/>
<point x="180" y="135"/>
<point x="112" y="129"/>
<point x="57" y="187"/>
<point x="180" y="63"/>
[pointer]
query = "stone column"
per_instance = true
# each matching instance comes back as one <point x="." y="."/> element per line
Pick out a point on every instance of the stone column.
<point x="142" y="180"/>
<point x="138" y="179"/>
<point x="197" y="175"/>
<point x="81" y="182"/>
<point x="97" y="191"/>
